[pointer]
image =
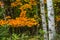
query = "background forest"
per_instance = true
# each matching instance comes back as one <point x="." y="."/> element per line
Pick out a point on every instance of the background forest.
<point x="21" y="19"/>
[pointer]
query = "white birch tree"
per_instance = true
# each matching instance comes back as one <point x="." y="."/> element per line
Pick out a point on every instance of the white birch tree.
<point x="51" y="23"/>
<point x="43" y="19"/>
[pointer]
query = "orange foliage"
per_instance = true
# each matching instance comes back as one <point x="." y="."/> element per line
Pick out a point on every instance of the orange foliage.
<point x="7" y="17"/>
<point x="33" y="2"/>
<point x="3" y="22"/>
<point x="1" y="3"/>
<point x="57" y="18"/>
<point x="22" y="8"/>
<point x="16" y="3"/>
<point x="23" y="14"/>
<point x="22" y="20"/>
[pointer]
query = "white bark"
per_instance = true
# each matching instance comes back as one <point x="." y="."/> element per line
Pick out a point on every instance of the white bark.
<point x="43" y="19"/>
<point x="51" y="24"/>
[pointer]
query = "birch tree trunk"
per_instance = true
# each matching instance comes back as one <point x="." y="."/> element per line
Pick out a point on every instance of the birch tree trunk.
<point x="43" y="19"/>
<point x="51" y="24"/>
